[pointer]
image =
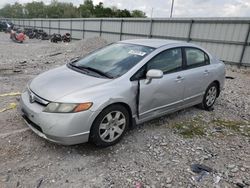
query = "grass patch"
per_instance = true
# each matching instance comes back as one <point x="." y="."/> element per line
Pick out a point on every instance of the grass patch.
<point x="233" y="125"/>
<point x="190" y="129"/>
<point x="237" y="126"/>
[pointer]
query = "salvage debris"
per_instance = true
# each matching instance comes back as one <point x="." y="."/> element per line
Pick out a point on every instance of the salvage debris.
<point x="200" y="169"/>
<point x="55" y="54"/>
<point x="22" y="62"/>
<point x="229" y="77"/>
<point x="39" y="183"/>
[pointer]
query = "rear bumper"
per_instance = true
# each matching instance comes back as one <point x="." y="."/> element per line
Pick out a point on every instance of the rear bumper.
<point x="66" y="128"/>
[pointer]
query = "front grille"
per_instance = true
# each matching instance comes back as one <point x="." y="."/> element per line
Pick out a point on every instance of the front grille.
<point x="32" y="123"/>
<point x="35" y="98"/>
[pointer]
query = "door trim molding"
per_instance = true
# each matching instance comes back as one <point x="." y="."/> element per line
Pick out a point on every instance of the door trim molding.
<point x="160" y="107"/>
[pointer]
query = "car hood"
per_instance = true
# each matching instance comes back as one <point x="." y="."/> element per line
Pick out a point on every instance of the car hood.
<point x="59" y="82"/>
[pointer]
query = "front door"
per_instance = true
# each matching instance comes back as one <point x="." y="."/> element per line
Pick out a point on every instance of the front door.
<point x="164" y="94"/>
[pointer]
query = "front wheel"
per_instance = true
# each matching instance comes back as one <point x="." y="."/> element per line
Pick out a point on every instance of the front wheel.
<point x="109" y="126"/>
<point x="210" y="96"/>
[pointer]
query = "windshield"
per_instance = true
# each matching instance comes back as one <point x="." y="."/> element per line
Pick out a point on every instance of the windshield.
<point x="114" y="60"/>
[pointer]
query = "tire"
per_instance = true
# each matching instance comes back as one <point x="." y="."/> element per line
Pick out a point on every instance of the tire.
<point x="210" y="97"/>
<point x="110" y="126"/>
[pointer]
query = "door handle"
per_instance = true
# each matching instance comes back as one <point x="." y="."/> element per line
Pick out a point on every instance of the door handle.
<point x="179" y="78"/>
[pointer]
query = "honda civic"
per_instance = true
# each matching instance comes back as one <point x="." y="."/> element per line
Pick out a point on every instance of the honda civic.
<point x="98" y="97"/>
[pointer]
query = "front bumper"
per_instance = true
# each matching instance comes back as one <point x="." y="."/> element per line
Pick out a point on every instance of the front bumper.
<point x="61" y="128"/>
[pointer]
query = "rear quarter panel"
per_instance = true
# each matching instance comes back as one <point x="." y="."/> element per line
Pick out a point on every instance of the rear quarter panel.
<point x="219" y="72"/>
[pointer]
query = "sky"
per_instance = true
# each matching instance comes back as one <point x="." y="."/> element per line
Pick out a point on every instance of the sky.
<point x="182" y="8"/>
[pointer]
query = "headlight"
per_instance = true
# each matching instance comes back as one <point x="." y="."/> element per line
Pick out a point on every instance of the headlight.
<point x="67" y="107"/>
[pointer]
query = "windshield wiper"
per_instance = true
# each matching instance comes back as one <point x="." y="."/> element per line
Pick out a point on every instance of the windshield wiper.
<point x="72" y="64"/>
<point x="96" y="71"/>
<point x="85" y="68"/>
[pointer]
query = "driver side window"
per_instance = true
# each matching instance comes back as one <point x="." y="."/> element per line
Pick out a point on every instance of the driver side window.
<point x="167" y="61"/>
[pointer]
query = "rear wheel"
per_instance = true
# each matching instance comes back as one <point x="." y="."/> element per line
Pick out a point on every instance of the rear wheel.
<point x="210" y="96"/>
<point x="109" y="126"/>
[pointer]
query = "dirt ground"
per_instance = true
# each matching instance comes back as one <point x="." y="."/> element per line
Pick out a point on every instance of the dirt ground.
<point x="158" y="153"/>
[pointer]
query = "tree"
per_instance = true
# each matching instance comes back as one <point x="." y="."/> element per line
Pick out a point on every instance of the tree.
<point x="86" y="10"/>
<point x="61" y="10"/>
<point x="12" y="11"/>
<point x="138" y="13"/>
<point x="35" y="10"/>
<point x="65" y="10"/>
<point x="99" y="10"/>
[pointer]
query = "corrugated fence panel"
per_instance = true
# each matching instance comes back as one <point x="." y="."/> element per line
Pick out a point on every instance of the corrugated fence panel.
<point x="223" y="37"/>
<point x="170" y="29"/>
<point x="111" y="37"/>
<point x="77" y="25"/>
<point x="63" y="31"/>
<point x="45" y="23"/>
<point x="136" y="27"/>
<point x="38" y="23"/>
<point x="32" y="23"/>
<point x="65" y="24"/>
<point x="92" y="25"/>
<point x="111" y="26"/>
<point x="26" y="22"/>
<point x="52" y="31"/>
<point x="218" y="31"/>
<point x="54" y="24"/>
<point x="246" y="57"/>
<point x="77" y="34"/>
<point x="91" y="34"/>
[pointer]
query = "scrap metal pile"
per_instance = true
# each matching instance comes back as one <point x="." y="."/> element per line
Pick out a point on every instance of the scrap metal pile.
<point x="34" y="33"/>
<point x="19" y="35"/>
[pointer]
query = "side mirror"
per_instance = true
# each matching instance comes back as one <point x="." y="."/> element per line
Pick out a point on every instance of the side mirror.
<point x="153" y="74"/>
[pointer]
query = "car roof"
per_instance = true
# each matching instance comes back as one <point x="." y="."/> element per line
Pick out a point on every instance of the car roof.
<point x="154" y="43"/>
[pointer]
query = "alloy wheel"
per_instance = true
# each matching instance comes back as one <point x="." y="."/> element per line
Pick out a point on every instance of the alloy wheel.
<point x="112" y="126"/>
<point x="211" y="96"/>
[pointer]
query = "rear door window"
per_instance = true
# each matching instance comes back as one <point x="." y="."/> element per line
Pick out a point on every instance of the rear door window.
<point x="196" y="57"/>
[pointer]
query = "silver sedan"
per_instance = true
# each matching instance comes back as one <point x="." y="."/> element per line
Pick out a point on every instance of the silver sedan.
<point x="97" y="98"/>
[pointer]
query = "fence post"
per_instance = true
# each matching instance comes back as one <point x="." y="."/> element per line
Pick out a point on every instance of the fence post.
<point x="49" y="27"/>
<point x="121" y="27"/>
<point x="244" y="45"/>
<point x="71" y="27"/>
<point x="59" y="25"/>
<point x="150" y="28"/>
<point x="83" y="28"/>
<point x="190" y="31"/>
<point x="100" y="27"/>
<point x="42" y="24"/>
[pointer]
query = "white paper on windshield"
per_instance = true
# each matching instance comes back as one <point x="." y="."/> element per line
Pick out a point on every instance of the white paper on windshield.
<point x="135" y="52"/>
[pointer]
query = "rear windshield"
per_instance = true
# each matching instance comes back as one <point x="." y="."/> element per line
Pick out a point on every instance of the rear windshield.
<point x="115" y="59"/>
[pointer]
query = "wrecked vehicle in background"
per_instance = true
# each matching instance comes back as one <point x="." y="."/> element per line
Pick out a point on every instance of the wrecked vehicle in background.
<point x="33" y="33"/>
<point x="6" y="26"/>
<point x="98" y="97"/>
<point x="55" y="38"/>
<point x="17" y="36"/>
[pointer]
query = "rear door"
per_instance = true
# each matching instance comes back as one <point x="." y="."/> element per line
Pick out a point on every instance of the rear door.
<point x="162" y="95"/>
<point x="196" y="73"/>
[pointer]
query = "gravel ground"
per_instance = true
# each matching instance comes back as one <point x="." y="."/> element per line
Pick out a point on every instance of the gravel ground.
<point x="158" y="153"/>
